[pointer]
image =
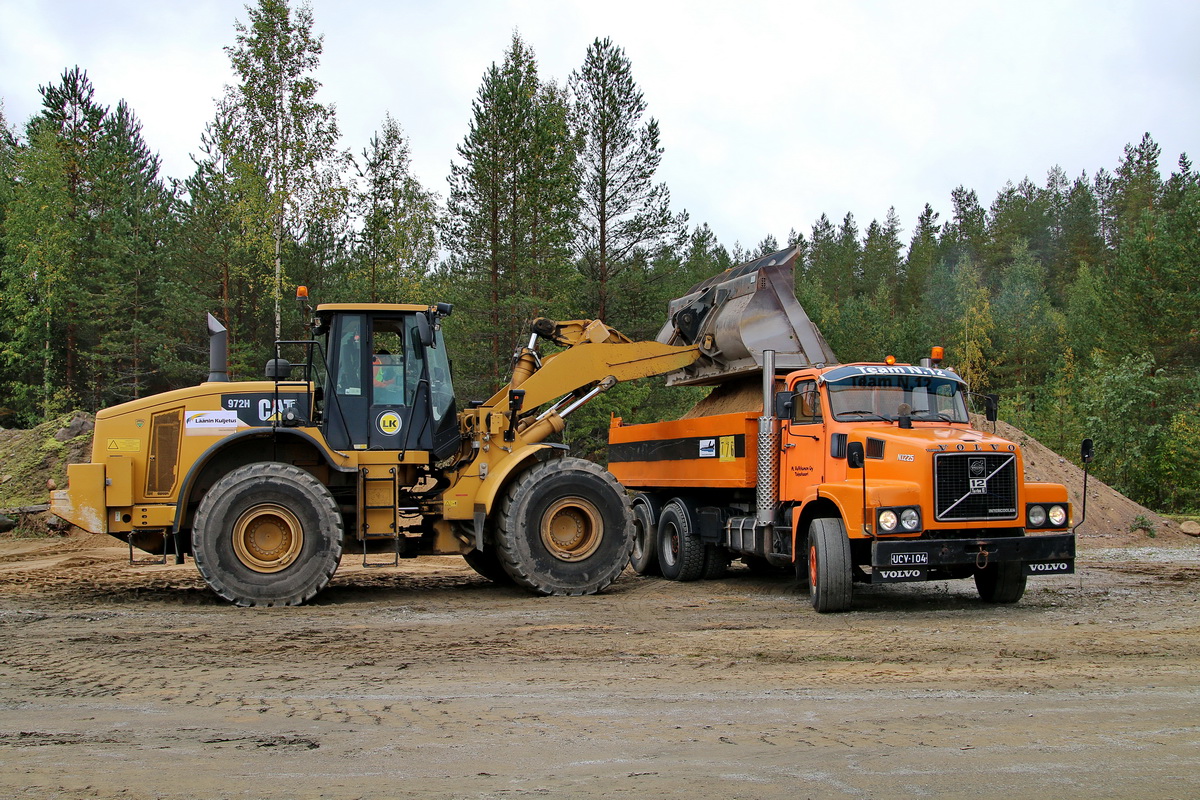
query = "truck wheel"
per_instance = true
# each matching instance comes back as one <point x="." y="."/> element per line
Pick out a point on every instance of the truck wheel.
<point x="830" y="585"/>
<point x="680" y="552"/>
<point x="267" y="534"/>
<point x="716" y="562"/>
<point x="1001" y="583"/>
<point x="564" y="528"/>
<point x="644" y="557"/>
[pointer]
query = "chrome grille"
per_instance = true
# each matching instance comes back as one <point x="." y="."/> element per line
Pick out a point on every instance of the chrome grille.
<point x="975" y="486"/>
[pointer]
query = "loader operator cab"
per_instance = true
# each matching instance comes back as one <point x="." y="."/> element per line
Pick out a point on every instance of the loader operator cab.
<point x="386" y="385"/>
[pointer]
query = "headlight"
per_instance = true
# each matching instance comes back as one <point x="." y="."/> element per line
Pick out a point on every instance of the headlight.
<point x="1037" y="516"/>
<point x="887" y="520"/>
<point x="910" y="519"/>
<point x="1058" y="516"/>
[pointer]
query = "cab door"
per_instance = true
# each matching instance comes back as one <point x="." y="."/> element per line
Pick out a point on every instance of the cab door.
<point x="394" y="377"/>
<point x="804" y="442"/>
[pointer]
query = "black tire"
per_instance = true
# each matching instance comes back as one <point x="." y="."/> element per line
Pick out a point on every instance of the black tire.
<point x="716" y="562"/>
<point x="487" y="563"/>
<point x="830" y="579"/>
<point x="1001" y="583"/>
<point x="644" y="557"/>
<point x="564" y="527"/>
<point x="680" y="552"/>
<point x="267" y="534"/>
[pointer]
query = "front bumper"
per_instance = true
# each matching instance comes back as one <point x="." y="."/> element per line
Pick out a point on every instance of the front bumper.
<point x="900" y="560"/>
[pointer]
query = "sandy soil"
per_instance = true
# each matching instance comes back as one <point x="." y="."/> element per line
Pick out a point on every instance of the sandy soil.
<point x="426" y="681"/>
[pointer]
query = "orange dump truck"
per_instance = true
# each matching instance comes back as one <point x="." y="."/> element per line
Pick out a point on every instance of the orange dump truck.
<point x="848" y="473"/>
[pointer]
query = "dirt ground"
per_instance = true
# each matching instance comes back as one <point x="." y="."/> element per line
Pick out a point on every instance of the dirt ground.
<point x="427" y="681"/>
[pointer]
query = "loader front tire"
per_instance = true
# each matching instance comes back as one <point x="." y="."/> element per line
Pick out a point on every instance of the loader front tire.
<point x="487" y="564"/>
<point x="564" y="527"/>
<point x="267" y="534"/>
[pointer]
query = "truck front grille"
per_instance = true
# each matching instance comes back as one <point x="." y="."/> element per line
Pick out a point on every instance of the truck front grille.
<point x="975" y="486"/>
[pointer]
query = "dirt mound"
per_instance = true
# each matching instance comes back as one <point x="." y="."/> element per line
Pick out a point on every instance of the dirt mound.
<point x="29" y="458"/>
<point x="744" y="395"/>
<point x="1113" y="520"/>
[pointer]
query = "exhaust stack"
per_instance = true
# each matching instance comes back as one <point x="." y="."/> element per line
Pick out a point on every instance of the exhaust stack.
<point x="218" y="347"/>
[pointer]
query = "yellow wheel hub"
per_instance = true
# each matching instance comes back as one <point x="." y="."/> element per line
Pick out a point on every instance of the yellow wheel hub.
<point x="572" y="529"/>
<point x="267" y="538"/>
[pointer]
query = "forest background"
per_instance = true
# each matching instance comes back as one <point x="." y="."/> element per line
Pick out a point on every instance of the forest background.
<point x="1075" y="298"/>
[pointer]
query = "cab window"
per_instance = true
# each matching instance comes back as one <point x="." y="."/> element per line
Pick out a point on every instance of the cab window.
<point x="806" y="404"/>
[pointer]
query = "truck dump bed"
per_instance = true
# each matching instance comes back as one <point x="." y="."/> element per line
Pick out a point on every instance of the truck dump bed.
<point x="703" y="452"/>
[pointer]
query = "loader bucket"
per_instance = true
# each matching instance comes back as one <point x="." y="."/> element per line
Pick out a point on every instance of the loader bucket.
<point x="736" y="315"/>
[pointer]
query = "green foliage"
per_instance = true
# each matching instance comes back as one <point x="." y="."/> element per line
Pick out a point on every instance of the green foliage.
<point x="1075" y="300"/>
<point x="511" y="215"/>
<point x="1179" y="459"/>
<point x="281" y="144"/>
<point x="398" y="242"/>
<point x="625" y="218"/>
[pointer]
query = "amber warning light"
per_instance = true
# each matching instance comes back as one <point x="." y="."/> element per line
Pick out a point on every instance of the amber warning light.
<point x="301" y="292"/>
<point x="936" y="355"/>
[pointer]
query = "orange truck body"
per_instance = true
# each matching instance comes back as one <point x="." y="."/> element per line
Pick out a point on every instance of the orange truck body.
<point x="955" y="496"/>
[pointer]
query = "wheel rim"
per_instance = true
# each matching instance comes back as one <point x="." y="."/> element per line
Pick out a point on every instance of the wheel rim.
<point x="572" y="529"/>
<point x="671" y="551"/>
<point x="267" y="538"/>
<point x="639" y="538"/>
<point x="812" y="567"/>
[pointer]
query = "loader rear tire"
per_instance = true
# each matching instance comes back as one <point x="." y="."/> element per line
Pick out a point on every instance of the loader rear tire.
<point x="564" y="528"/>
<point x="644" y="558"/>
<point x="267" y="534"/>
<point x="830" y="577"/>
<point x="680" y="551"/>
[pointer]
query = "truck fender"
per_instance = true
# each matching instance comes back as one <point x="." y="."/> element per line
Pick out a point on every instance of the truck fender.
<point x="197" y="468"/>
<point x="498" y="478"/>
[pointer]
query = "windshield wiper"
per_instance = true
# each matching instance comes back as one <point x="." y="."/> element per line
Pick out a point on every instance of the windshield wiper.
<point x="862" y="412"/>
<point x="935" y="417"/>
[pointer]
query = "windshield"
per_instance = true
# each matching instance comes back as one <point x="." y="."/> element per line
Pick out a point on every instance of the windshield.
<point x="935" y="396"/>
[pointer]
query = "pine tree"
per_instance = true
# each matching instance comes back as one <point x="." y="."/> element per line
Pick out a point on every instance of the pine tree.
<point x="284" y="148"/>
<point x="882" y="265"/>
<point x="625" y="217"/>
<point x="398" y="242"/>
<point x="965" y="235"/>
<point x="511" y="212"/>
<point x="1026" y="326"/>
<point x="921" y="258"/>
<point x="133" y="211"/>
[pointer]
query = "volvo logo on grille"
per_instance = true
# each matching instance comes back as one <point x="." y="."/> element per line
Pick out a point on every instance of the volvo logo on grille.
<point x="977" y="466"/>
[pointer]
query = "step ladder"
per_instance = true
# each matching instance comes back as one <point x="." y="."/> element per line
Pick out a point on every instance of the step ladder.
<point x="379" y="510"/>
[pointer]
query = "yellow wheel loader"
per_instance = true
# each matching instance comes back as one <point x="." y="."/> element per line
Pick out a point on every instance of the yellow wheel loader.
<point x="361" y="444"/>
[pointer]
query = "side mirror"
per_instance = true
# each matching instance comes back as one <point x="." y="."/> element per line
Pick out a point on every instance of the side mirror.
<point x="855" y="455"/>
<point x="991" y="407"/>
<point x="784" y="402"/>
<point x="424" y="330"/>
<point x="1086" y="451"/>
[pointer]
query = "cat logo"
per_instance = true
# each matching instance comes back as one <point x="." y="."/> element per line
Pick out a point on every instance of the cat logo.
<point x="389" y="423"/>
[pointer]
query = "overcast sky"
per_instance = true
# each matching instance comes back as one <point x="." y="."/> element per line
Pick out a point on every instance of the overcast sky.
<point x="771" y="112"/>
